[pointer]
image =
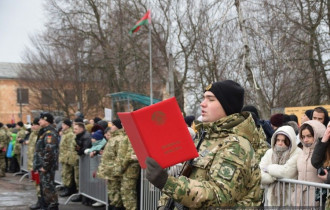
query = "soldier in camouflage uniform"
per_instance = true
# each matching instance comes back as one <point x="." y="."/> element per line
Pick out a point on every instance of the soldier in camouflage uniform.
<point x="67" y="149"/>
<point x="226" y="173"/>
<point x="31" y="142"/>
<point x="106" y="167"/>
<point x="4" y="141"/>
<point x="19" y="140"/>
<point x="128" y="166"/>
<point x="46" y="161"/>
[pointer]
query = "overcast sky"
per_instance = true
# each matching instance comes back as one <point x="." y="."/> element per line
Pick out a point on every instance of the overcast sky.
<point x="18" y="20"/>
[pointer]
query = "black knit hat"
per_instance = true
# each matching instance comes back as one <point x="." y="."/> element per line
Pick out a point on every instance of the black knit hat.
<point x="96" y="119"/>
<point x="252" y="109"/>
<point x="103" y="123"/>
<point x="309" y="113"/>
<point x="117" y="123"/>
<point x="48" y="117"/>
<point x="35" y="121"/>
<point x="230" y="95"/>
<point x="67" y="122"/>
<point x="189" y="120"/>
<point x="20" y="124"/>
<point x="79" y="119"/>
<point x="1" y="124"/>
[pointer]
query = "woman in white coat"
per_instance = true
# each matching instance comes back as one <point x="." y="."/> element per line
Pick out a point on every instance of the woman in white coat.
<point x="279" y="162"/>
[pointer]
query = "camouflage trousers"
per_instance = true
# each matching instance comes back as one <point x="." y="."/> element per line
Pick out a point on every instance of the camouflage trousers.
<point x="47" y="185"/>
<point x="38" y="190"/>
<point x="67" y="174"/>
<point x="2" y="164"/>
<point x="128" y="186"/>
<point x="114" y="193"/>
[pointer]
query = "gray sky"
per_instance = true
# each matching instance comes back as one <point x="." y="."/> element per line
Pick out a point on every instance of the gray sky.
<point x="18" y="20"/>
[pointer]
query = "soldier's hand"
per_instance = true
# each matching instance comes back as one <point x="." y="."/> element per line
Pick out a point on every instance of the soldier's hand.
<point x="42" y="170"/>
<point x="155" y="173"/>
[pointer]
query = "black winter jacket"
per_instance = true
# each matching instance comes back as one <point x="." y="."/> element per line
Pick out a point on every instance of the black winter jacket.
<point x="83" y="141"/>
<point x="319" y="155"/>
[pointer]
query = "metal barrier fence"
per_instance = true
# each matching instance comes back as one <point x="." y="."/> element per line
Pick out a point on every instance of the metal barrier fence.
<point x="299" y="193"/>
<point x="58" y="176"/>
<point x="24" y="162"/>
<point x="93" y="188"/>
<point x="149" y="194"/>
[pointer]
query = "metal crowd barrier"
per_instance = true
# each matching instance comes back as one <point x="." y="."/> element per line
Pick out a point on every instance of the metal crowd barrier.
<point x="24" y="160"/>
<point x="58" y="176"/>
<point x="149" y="194"/>
<point x="293" y="196"/>
<point x="93" y="188"/>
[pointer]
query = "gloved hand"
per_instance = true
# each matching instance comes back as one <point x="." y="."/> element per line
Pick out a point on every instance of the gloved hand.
<point x="86" y="151"/>
<point x="155" y="173"/>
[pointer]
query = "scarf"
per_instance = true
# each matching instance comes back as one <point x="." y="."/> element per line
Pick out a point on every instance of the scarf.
<point x="280" y="156"/>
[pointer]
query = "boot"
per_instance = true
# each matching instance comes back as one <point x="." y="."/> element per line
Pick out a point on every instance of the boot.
<point x="65" y="192"/>
<point x="76" y="198"/>
<point x="36" y="205"/>
<point x="53" y="207"/>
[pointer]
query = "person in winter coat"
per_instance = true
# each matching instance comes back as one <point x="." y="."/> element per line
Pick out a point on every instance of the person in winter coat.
<point x="279" y="162"/>
<point x="321" y="159"/>
<point x="98" y="141"/>
<point x="309" y="134"/>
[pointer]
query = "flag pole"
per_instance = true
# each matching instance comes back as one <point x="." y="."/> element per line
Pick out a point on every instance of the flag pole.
<point x="150" y="63"/>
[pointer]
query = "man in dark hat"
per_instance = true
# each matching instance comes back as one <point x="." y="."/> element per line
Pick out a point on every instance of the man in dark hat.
<point x="46" y="161"/>
<point x="226" y="173"/>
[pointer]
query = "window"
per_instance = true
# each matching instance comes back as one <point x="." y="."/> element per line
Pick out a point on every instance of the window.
<point x="46" y="96"/>
<point x="92" y="98"/>
<point x="22" y="95"/>
<point x="69" y="97"/>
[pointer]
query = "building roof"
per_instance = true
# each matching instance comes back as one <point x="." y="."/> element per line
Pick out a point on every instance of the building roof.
<point x="9" y="70"/>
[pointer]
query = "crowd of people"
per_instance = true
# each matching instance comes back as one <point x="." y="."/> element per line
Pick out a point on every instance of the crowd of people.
<point x="241" y="157"/>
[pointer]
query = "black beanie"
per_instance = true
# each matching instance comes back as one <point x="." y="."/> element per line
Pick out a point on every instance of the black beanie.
<point x="20" y="124"/>
<point x="230" y="95"/>
<point x="48" y="117"/>
<point x="252" y="109"/>
<point x="79" y="119"/>
<point x="67" y="122"/>
<point x="1" y="124"/>
<point x="189" y="120"/>
<point x="35" y="121"/>
<point x="309" y="113"/>
<point x="117" y="123"/>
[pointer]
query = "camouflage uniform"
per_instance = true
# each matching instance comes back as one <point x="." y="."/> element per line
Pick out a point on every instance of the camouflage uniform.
<point x="67" y="149"/>
<point x="106" y="167"/>
<point x="4" y="140"/>
<point x="130" y="169"/>
<point x="46" y="157"/>
<point x="31" y="149"/>
<point x="226" y="173"/>
<point x="18" y="146"/>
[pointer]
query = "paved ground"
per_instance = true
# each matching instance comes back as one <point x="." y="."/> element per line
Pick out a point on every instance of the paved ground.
<point x="15" y="195"/>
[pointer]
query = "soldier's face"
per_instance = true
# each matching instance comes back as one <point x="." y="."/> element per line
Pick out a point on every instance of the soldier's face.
<point x="211" y="108"/>
<point x="43" y="123"/>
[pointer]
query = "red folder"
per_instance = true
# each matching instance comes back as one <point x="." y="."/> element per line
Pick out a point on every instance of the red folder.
<point x="159" y="131"/>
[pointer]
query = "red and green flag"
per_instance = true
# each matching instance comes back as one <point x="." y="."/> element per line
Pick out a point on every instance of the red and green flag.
<point x="145" y="20"/>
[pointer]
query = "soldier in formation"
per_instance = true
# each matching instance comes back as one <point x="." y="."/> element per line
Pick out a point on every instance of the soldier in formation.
<point x="46" y="161"/>
<point x="67" y="150"/>
<point x="226" y="173"/>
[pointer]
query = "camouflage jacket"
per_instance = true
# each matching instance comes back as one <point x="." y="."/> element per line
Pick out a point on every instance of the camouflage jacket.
<point x="46" y="151"/>
<point x="18" y="146"/>
<point x="67" y="146"/>
<point x="226" y="173"/>
<point x="31" y="148"/>
<point x="4" y="139"/>
<point x="105" y="169"/>
<point x="125" y="163"/>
